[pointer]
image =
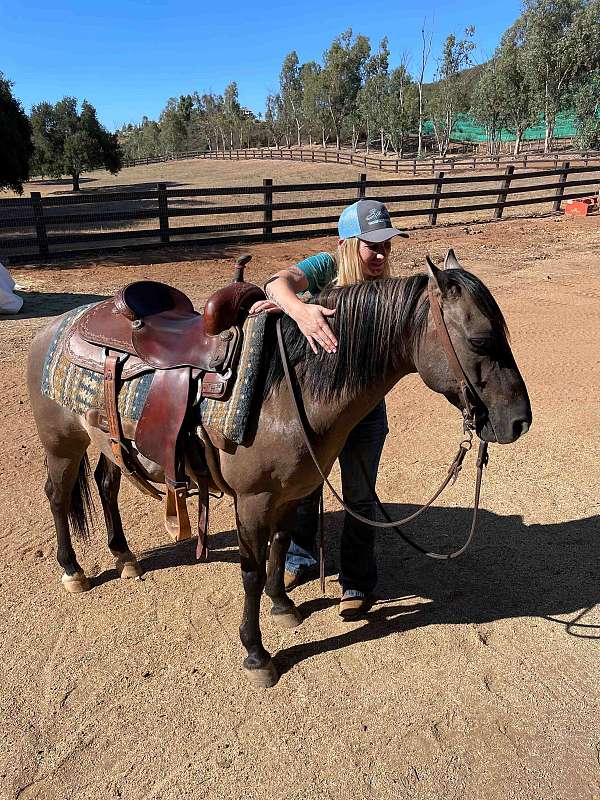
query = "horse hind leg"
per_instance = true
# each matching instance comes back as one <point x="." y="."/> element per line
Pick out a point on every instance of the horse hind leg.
<point x="108" y="480"/>
<point x="68" y="493"/>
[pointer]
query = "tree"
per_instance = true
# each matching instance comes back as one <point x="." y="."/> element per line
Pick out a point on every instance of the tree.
<point x="15" y="140"/>
<point x="68" y="142"/>
<point x="174" y="120"/>
<point x="401" y="111"/>
<point x="515" y="86"/>
<point x="586" y="102"/>
<point x="342" y="77"/>
<point x="291" y="91"/>
<point x="426" y="39"/>
<point x="562" y="44"/>
<point x="449" y="96"/>
<point x="489" y="104"/>
<point x="372" y="97"/>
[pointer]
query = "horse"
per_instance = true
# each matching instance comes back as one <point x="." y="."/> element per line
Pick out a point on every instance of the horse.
<point x="385" y="332"/>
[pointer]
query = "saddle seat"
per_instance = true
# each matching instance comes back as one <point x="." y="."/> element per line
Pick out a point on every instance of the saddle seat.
<point x="158" y="324"/>
<point x="150" y="326"/>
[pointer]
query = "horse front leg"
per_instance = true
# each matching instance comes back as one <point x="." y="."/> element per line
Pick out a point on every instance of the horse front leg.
<point x="108" y="480"/>
<point x="284" y="611"/>
<point x="253" y="535"/>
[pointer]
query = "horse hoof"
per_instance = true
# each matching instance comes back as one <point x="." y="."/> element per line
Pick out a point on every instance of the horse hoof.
<point x="76" y="583"/>
<point x="262" y="678"/>
<point x="127" y="565"/>
<point x="288" y="619"/>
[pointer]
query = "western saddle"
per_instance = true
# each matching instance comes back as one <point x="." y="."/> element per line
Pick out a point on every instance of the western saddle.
<point x="152" y="327"/>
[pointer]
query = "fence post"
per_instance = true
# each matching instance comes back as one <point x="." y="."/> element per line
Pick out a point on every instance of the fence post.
<point x="361" y="187"/>
<point x="435" y="201"/>
<point x="325" y="155"/>
<point x="397" y="165"/>
<point x="503" y="191"/>
<point x="268" y="212"/>
<point x="474" y="162"/>
<point x="555" y="160"/>
<point x="40" y="225"/>
<point x="351" y="157"/>
<point x="414" y="166"/>
<point x="433" y="167"/>
<point x="163" y="213"/>
<point x="338" y="156"/>
<point x="560" y="189"/>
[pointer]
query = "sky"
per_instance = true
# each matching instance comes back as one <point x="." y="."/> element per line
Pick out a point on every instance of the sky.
<point x="127" y="57"/>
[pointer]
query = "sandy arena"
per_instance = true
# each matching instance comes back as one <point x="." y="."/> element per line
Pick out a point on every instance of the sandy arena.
<point x="472" y="679"/>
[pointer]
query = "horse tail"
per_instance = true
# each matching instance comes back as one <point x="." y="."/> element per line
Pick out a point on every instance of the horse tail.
<point x="82" y="507"/>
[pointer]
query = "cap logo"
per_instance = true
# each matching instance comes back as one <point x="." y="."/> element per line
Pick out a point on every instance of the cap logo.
<point x="376" y="216"/>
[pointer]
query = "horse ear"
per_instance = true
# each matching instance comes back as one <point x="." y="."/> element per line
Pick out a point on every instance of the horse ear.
<point x="433" y="271"/>
<point x="451" y="261"/>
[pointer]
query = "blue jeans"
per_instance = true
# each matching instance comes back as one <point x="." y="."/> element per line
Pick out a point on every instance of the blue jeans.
<point x="358" y="570"/>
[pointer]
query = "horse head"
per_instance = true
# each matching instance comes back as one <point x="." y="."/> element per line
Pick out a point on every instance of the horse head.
<point x="479" y="337"/>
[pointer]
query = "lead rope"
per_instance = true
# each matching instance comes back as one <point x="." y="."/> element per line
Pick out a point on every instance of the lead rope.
<point x="453" y="472"/>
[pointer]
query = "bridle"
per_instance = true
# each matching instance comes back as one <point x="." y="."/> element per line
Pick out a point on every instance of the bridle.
<point x="469" y="410"/>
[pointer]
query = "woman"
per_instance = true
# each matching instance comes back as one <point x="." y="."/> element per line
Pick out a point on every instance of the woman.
<point x="365" y="232"/>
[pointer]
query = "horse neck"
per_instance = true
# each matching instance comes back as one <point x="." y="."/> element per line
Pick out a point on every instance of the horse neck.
<point x="359" y="397"/>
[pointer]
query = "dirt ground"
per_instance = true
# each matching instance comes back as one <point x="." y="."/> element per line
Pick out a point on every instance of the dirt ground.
<point x="476" y="678"/>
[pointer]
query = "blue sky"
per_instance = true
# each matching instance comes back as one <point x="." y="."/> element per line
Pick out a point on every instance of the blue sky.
<point x="128" y="57"/>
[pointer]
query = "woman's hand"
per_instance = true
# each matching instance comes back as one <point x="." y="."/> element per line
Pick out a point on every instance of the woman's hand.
<point x="311" y="319"/>
<point x="267" y="306"/>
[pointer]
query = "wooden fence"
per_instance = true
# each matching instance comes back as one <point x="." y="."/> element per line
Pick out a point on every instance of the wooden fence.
<point x="383" y="163"/>
<point x="64" y="226"/>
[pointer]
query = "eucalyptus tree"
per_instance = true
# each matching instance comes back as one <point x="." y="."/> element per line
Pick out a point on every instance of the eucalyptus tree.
<point x="401" y="110"/>
<point x="519" y="104"/>
<point x="291" y="91"/>
<point x="426" y="40"/>
<point x="449" y="96"/>
<point x="562" y="44"/>
<point x="488" y="104"/>
<point x="586" y="104"/>
<point x="314" y="106"/>
<point x="372" y="97"/>
<point x="342" y="77"/>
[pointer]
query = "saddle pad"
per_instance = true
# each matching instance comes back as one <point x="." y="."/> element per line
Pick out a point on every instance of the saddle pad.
<point x="80" y="389"/>
<point x="230" y="417"/>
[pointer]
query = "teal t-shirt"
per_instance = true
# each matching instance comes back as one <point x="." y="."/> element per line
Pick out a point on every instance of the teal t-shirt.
<point x="320" y="270"/>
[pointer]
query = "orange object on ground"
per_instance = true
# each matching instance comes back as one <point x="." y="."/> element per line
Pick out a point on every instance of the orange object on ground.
<point x="581" y="208"/>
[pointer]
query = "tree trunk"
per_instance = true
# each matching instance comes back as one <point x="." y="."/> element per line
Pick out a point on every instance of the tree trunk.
<point x="382" y="142"/>
<point x="75" y="177"/>
<point x="519" y="136"/>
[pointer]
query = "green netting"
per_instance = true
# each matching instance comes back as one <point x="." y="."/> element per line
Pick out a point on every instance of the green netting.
<point x="467" y="130"/>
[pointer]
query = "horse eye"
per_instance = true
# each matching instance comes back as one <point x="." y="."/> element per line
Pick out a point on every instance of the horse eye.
<point x="482" y="345"/>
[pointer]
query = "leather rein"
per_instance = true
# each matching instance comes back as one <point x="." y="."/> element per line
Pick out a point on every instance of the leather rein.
<point x="469" y="412"/>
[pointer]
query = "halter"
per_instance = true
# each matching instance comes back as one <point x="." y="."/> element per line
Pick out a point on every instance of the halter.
<point x="469" y="410"/>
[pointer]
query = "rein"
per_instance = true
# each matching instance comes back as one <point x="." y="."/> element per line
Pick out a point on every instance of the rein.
<point x="469" y="410"/>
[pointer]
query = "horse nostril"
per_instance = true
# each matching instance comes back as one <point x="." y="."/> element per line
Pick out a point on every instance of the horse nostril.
<point x="520" y="427"/>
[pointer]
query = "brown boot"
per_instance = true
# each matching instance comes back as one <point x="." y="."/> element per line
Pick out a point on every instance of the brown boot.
<point x="354" y="607"/>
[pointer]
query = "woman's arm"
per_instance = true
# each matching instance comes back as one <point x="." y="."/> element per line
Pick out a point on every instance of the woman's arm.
<point x="282" y="289"/>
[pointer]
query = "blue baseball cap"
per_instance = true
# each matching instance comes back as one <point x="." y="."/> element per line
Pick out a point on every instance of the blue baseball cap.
<point x="368" y="220"/>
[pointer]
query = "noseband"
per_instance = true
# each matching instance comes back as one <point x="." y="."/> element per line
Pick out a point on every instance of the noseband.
<point x="466" y="392"/>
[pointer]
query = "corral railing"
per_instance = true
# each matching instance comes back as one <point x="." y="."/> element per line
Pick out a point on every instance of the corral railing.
<point x="412" y="166"/>
<point x="63" y="226"/>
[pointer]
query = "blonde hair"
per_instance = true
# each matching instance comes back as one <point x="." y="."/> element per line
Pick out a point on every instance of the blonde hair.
<point x="349" y="263"/>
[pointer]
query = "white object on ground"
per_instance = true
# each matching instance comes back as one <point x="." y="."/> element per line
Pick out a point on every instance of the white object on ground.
<point x="10" y="303"/>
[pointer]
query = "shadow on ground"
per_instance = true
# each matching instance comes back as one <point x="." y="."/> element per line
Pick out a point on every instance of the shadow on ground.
<point x="50" y="304"/>
<point x="512" y="570"/>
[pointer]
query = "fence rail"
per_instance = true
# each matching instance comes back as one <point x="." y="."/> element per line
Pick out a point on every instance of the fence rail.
<point x="411" y="166"/>
<point x="39" y="227"/>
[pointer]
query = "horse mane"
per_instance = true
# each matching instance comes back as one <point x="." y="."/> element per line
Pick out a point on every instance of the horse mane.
<point x="378" y="324"/>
